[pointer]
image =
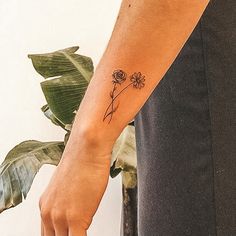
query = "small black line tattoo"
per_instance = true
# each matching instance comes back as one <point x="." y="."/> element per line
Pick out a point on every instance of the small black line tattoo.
<point x="119" y="76"/>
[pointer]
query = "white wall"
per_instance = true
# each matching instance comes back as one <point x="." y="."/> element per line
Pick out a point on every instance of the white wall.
<point x="28" y="26"/>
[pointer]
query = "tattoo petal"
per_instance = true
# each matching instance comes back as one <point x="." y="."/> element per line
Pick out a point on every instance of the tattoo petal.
<point x="138" y="80"/>
<point x="119" y="76"/>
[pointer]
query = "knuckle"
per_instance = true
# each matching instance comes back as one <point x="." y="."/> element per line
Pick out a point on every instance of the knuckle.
<point x="58" y="217"/>
<point x="45" y="214"/>
<point x="73" y="219"/>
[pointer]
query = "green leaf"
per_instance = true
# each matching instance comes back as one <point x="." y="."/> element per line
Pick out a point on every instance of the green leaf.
<point x="62" y="62"/>
<point x="124" y="153"/>
<point x="64" y="95"/>
<point x="49" y="114"/>
<point x="69" y="75"/>
<point x="20" y="166"/>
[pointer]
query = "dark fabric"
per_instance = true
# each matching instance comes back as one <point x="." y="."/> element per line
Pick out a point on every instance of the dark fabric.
<point x="186" y="136"/>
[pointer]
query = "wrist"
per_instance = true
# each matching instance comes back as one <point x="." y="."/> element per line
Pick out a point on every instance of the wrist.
<point x="91" y="138"/>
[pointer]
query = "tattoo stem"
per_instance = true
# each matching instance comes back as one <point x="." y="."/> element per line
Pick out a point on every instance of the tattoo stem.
<point x="113" y="99"/>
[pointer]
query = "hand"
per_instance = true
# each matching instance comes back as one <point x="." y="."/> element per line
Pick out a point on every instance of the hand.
<point x="73" y="195"/>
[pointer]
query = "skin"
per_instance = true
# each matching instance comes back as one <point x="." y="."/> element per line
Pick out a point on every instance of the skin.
<point x="147" y="37"/>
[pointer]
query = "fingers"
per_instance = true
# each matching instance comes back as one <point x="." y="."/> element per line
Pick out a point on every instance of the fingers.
<point x="61" y="230"/>
<point x="76" y="231"/>
<point x="54" y="227"/>
<point x="42" y="229"/>
<point x="61" y="233"/>
<point x="46" y="225"/>
<point x="57" y="223"/>
<point x="49" y="231"/>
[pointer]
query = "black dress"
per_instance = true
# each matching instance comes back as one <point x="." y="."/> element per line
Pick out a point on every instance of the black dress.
<point x="186" y="136"/>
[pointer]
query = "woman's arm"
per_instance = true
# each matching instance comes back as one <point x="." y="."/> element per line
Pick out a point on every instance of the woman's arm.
<point x="147" y="37"/>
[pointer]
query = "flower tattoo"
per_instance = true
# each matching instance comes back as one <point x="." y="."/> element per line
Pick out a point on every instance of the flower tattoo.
<point x="119" y="76"/>
<point x="138" y="80"/>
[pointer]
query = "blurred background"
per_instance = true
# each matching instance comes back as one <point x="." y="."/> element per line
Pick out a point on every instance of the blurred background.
<point x="28" y="27"/>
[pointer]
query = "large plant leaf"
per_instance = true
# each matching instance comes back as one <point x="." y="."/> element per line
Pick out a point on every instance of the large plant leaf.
<point x="62" y="62"/>
<point x="20" y="166"/>
<point x="70" y="74"/>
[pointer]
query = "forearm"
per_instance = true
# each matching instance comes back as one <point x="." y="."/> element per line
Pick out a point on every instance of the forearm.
<point x="147" y="37"/>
